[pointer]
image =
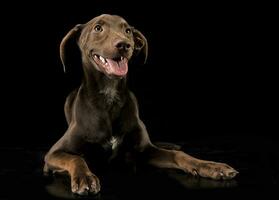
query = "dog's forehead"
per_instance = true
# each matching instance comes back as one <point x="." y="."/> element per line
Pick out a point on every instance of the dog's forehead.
<point x="110" y="19"/>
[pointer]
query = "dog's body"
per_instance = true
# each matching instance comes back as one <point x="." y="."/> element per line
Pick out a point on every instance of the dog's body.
<point x="103" y="112"/>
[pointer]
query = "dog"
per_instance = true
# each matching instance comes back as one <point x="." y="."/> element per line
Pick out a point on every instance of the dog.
<point x="103" y="112"/>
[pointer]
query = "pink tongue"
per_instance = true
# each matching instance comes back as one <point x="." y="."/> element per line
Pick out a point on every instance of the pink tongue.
<point x="119" y="68"/>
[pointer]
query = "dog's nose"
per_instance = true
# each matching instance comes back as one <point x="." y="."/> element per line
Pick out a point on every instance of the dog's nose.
<point x="123" y="45"/>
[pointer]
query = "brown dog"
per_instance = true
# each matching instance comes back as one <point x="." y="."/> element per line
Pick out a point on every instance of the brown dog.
<point x="103" y="112"/>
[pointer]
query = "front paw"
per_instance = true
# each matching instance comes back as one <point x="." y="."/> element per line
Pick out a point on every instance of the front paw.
<point x="216" y="170"/>
<point x="85" y="183"/>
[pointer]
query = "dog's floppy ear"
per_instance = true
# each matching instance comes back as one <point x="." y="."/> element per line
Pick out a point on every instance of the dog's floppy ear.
<point x="69" y="41"/>
<point x="141" y="45"/>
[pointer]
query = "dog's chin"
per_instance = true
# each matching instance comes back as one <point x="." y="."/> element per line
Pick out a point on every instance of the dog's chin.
<point x="116" y="67"/>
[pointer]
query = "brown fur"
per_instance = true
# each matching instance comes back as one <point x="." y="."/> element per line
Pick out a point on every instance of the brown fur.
<point x="103" y="112"/>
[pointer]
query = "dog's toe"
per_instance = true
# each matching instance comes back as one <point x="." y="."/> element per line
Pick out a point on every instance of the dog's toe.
<point x="94" y="184"/>
<point x="231" y="174"/>
<point x="83" y="191"/>
<point x="74" y="187"/>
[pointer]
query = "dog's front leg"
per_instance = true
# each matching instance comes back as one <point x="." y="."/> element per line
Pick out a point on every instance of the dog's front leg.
<point x="83" y="181"/>
<point x="179" y="160"/>
<point x="163" y="158"/>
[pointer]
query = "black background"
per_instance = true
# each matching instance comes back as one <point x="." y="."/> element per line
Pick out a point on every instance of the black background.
<point x="210" y="76"/>
<point x="210" y="69"/>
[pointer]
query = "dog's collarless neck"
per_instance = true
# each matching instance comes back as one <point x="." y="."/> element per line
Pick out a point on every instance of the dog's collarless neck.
<point x="99" y="85"/>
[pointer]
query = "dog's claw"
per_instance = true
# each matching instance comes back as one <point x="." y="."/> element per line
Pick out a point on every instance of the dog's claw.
<point x="194" y="172"/>
<point x="233" y="174"/>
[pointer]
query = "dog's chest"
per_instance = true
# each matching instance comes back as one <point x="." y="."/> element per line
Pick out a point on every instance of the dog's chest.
<point x="114" y="142"/>
<point x="113" y="146"/>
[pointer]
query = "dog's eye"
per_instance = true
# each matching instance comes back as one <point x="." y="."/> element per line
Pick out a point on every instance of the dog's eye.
<point x="128" y="31"/>
<point x="98" y="28"/>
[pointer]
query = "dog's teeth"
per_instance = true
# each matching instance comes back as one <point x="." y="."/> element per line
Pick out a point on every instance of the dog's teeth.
<point x="102" y="59"/>
<point x="122" y="58"/>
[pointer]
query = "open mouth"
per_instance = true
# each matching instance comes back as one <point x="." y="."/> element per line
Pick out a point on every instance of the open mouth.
<point x="116" y="66"/>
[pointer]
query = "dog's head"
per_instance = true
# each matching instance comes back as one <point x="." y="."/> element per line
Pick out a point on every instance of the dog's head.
<point x="107" y="43"/>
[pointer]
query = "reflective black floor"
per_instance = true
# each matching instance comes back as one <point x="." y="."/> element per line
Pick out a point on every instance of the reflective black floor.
<point x="255" y="158"/>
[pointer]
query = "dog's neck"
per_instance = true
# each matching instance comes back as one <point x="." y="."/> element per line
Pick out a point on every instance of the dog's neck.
<point x="98" y="84"/>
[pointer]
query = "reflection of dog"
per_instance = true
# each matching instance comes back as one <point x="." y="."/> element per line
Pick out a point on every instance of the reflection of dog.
<point x="103" y="112"/>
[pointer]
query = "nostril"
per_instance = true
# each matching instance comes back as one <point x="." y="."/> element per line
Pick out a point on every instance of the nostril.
<point x="123" y="45"/>
<point x="119" y="45"/>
